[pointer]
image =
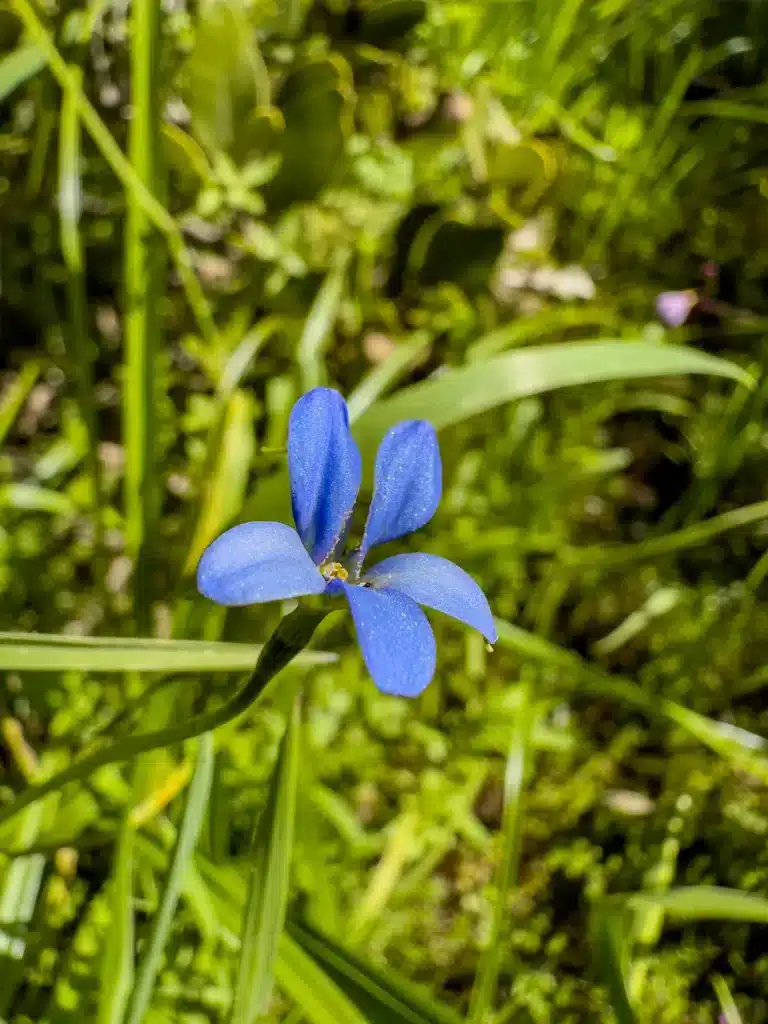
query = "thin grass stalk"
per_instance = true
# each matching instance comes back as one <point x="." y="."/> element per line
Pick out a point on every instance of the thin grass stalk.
<point x="186" y="840"/>
<point x="143" y="275"/>
<point x="80" y="347"/>
<point x="484" y="990"/>
<point x="122" y="168"/>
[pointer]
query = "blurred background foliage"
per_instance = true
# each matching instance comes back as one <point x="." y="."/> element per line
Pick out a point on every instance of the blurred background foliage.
<point x="374" y="194"/>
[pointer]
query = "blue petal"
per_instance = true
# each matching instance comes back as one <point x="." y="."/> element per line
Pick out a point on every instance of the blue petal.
<point x="437" y="583"/>
<point x="407" y="485"/>
<point x="324" y="465"/>
<point x="257" y="562"/>
<point x="395" y="637"/>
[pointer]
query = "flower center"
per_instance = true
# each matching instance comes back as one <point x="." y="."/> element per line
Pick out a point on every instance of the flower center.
<point x="334" y="571"/>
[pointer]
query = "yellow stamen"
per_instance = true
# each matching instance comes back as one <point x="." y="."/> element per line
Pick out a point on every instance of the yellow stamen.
<point x="334" y="571"/>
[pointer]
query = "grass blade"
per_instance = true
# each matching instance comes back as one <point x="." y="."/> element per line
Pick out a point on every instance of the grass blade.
<point x="44" y="652"/>
<point x="80" y="349"/>
<point x="706" y="903"/>
<point x="730" y="1011"/>
<point x="384" y="997"/>
<point x="609" y="938"/>
<point x="387" y="373"/>
<point x="737" y="746"/>
<point x="122" y="167"/>
<point x="17" y="67"/>
<point x="189" y="831"/>
<point x="319" y="324"/>
<point x="16" y="395"/>
<point x="270" y="877"/>
<point x="484" y="989"/>
<point x="143" y="274"/>
<point x="307" y="984"/>
<point x="614" y="556"/>
<point x="24" y="875"/>
<point x="117" y="959"/>
<point x="223" y="492"/>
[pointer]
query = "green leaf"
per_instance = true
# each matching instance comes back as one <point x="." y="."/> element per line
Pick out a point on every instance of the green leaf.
<point x="383" y="996"/>
<point x="484" y="990"/>
<point x="448" y="250"/>
<point x="31" y="498"/>
<point x="43" y="652"/>
<point x="740" y="747"/>
<point x="222" y="95"/>
<point x="614" y="556"/>
<point x="319" y="325"/>
<point x="233" y="446"/>
<point x="384" y="24"/>
<point x="730" y="1010"/>
<point x="117" y="965"/>
<point x="18" y="66"/>
<point x="313" y="101"/>
<point x="609" y="942"/>
<point x="186" y="840"/>
<point x="15" y="395"/>
<point x="385" y="374"/>
<point x="307" y="984"/>
<point x="706" y="903"/>
<point x="458" y="394"/>
<point x="461" y="393"/>
<point x="269" y="883"/>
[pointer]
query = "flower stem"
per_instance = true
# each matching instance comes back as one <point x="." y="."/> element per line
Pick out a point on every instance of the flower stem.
<point x="289" y="639"/>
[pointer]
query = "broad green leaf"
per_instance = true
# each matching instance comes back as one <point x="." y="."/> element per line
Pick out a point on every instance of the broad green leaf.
<point x="222" y="94"/>
<point x="270" y="875"/>
<point x="18" y="66"/>
<point x="458" y="394"/>
<point x="383" y="996"/>
<point x="549" y="322"/>
<point x="44" y="652"/>
<point x="313" y="100"/>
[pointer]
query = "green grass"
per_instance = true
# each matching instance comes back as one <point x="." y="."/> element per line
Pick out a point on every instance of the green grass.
<point x="461" y="212"/>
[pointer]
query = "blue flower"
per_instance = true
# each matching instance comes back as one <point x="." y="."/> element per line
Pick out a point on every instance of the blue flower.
<point x="257" y="562"/>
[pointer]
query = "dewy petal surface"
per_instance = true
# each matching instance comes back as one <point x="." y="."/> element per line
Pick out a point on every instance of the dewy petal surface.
<point x="408" y="483"/>
<point x="256" y="562"/>
<point x="395" y="637"/>
<point x="437" y="583"/>
<point x="324" y="465"/>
